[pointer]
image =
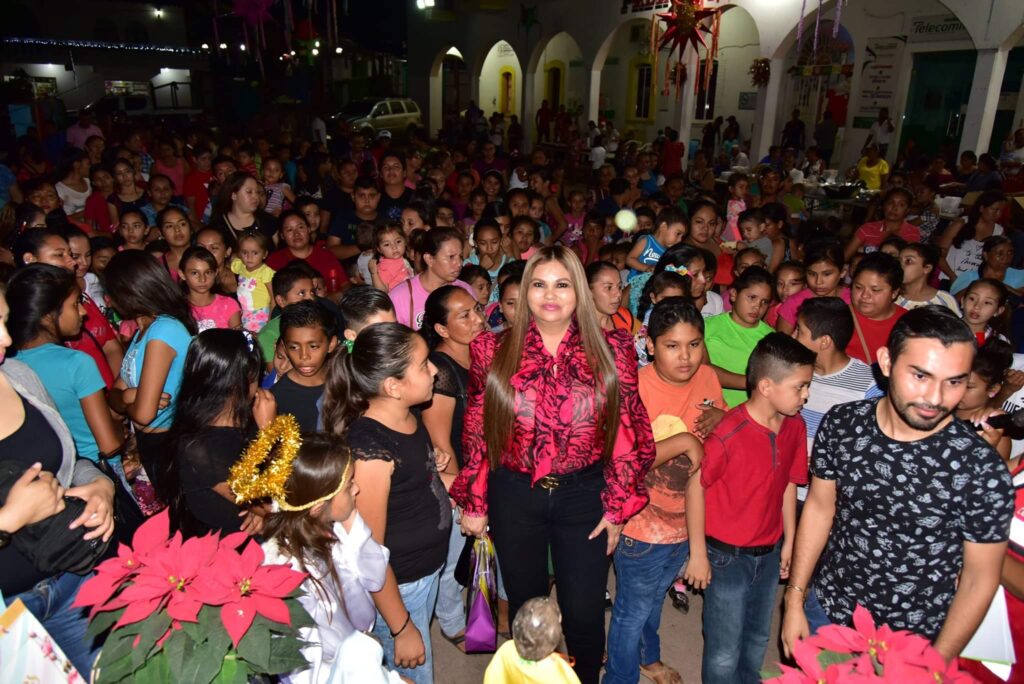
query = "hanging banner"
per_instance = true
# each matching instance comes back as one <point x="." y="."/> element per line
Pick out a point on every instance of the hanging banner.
<point x="879" y="76"/>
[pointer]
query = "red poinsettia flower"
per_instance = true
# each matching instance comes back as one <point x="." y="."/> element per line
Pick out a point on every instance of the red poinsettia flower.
<point x="934" y="667"/>
<point x="112" y="573"/>
<point x="169" y="576"/>
<point x="245" y="586"/>
<point x="883" y="640"/>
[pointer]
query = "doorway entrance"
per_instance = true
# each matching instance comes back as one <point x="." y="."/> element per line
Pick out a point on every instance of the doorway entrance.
<point x="940" y="86"/>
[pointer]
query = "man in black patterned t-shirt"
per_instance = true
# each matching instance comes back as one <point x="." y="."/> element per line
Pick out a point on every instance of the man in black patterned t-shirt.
<point x="911" y="507"/>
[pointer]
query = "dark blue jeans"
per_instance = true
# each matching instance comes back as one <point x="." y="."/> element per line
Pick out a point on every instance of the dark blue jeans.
<point x="643" y="573"/>
<point x="50" y="601"/>
<point x="525" y="521"/>
<point x="738" y="616"/>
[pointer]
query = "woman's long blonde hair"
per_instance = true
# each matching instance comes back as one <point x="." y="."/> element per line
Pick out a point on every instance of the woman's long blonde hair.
<point x="499" y="396"/>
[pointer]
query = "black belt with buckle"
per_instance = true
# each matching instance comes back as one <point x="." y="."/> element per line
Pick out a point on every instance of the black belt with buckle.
<point x="553" y="482"/>
<point x="741" y="550"/>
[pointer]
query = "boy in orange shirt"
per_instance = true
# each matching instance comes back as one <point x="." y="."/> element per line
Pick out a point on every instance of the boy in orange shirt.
<point x="681" y="395"/>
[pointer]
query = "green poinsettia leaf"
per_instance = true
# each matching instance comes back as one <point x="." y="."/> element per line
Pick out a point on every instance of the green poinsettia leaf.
<point x="204" y="664"/>
<point x="826" y="658"/>
<point x="155" y="671"/>
<point x="285" y="655"/>
<point x="116" y="647"/>
<point x="254" y="648"/>
<point x="233" y="671"/>
<point x="299" y="615"/>
<point x="153" y="627"/>
<point x="114" y="671"/>
<point x="103" y="621"/>
<point x="178" y="648"/>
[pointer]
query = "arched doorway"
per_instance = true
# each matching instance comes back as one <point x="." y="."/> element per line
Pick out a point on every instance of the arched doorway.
<point x="449" y="87"/>
<point x="558" y="76"/>
<point x="501" y="81"/>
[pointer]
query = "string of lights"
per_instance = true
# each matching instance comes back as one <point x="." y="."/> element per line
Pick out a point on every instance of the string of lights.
<point x="99" y="45"/>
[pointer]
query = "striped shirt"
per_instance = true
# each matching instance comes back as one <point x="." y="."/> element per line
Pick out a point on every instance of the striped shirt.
<point x="853" y="383"/>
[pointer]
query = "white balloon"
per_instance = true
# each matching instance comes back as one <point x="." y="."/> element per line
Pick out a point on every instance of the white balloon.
<point x="625" y="220"/>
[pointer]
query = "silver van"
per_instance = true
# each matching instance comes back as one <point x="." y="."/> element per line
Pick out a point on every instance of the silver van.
<point x="371" y="116"/>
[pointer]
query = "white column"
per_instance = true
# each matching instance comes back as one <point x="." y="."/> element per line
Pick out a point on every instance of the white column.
<point x="768" y="99"/>
<point x="529" y="110"/>
<point x="984" y="99"/>
<point x="594" y="96"/>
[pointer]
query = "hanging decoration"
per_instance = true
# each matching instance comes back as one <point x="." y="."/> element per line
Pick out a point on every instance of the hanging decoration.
<point x="817" y="23"/>
<point x="686" y="23"/>
<point x="760" y="72"/>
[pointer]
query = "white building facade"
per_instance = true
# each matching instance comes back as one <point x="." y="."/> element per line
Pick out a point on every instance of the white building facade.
<point x="950" y="72"/>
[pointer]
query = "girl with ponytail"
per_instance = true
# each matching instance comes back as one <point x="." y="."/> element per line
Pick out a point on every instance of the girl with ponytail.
<point x="369" y="398"/>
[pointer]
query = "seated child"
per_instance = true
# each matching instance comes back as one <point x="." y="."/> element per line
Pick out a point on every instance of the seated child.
<point x="532" y="655"/>
<point x="670" y="227"/>
<point x="752" y="228"/>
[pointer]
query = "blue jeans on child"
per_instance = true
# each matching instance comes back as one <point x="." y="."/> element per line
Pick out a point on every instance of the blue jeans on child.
<point x="419" y="598"/>
<point x="643" y="573"/>
<point x="738" y="607"/>
<point x="50" y="601"/>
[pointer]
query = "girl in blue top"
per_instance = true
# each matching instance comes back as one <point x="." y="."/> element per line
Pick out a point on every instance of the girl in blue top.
<point x="46" y="309"/>
<point x="140" y="289"/>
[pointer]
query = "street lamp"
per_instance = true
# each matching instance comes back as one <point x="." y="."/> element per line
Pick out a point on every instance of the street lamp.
<point x="424" y="4"/>
<point x="337" y="50"/>
<point x="223" y="46"/>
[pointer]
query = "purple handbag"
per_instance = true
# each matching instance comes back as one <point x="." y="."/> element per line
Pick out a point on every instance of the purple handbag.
<point x="481" y="606"/>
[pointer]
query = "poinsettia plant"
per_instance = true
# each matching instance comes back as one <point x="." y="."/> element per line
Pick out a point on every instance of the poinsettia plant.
<point x="194" y="610"/>
<point x="867" y="653"/>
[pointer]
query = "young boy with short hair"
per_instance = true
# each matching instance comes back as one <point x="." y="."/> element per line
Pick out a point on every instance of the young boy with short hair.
<point x="741" y="510"/>
<point x="290" y="285"/>
<point x="307" y="331"/>
<point x="678" y="391"/>
<point x="825" y="326"/>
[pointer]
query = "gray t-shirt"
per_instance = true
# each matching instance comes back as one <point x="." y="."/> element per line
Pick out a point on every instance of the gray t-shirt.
<point x="903" y="512"/>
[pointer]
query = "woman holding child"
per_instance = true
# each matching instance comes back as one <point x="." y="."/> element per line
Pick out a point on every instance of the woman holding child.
<point x="557" y="444"/>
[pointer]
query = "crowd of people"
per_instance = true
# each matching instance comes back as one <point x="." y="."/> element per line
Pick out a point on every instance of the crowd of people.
<point x="711" y="382"/>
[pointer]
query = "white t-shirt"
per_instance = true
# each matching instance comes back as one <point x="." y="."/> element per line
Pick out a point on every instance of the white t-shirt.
<point x="967" y="257"/>
<point x="880" y="133"/>
<point x="597" y="156"/>
<point x="74" y="201"/>
<point x="1015" y="402"/>
<point x="713" y="306"/>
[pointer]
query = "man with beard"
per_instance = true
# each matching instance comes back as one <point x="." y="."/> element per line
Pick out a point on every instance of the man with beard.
<point x="913" y="505"/>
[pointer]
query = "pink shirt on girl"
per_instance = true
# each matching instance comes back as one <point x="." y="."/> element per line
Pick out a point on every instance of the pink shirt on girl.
<point x="216" y="314"/>
<point x="411" y="291"/>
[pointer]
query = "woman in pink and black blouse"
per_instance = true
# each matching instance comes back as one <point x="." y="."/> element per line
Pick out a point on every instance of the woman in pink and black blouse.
<point x="557" y="444"/>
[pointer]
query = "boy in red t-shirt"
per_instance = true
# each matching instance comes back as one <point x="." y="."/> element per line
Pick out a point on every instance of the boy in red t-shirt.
<point x="684" y="401"/>
<point x="741" y="511"/>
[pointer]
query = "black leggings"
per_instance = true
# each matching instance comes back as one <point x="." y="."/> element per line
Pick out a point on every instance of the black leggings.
<point x="525" y="522"/>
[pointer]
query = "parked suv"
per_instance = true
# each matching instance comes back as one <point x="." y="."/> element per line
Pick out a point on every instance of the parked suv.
<point x="372" y="116"/>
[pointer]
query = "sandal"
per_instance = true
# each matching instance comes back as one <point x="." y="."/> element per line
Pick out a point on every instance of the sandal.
<point x="660" y="673"/>
<point x="458" y="641"/>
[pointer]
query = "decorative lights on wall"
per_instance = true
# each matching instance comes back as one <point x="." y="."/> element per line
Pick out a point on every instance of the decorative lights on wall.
<point x="99" y="45"/>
